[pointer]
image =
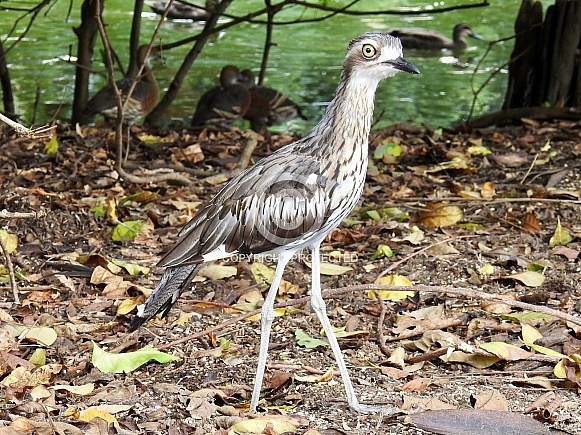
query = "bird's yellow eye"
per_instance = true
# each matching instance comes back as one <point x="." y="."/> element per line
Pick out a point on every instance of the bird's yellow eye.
<point x="368" y="51"/>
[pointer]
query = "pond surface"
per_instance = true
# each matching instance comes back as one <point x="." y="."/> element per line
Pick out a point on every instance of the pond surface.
<point x="305" y="62"/>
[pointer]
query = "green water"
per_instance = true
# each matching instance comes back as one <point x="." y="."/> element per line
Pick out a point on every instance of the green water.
<point x="305" y="62"/>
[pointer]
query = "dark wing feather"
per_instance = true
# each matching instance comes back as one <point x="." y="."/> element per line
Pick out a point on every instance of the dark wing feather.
<point x="261" y="209"/>
<point x="169" y="288"/>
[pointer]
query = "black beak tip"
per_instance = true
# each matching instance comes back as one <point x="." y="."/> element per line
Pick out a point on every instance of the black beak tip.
<point x="403" y="65"/>
<point x="414" y="70"/>
<point x="410" y="68"/>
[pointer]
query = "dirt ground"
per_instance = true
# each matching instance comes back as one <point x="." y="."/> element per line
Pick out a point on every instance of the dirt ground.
<point x="505" y="201"/>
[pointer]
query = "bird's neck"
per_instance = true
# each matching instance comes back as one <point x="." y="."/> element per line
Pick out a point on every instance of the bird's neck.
<point x="149" y="77"/>
<point x="344" y="129"/>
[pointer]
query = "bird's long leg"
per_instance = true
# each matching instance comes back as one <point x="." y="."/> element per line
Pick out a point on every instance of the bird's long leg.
<point x="267" y="316"/>
<point x="320" y="308"/>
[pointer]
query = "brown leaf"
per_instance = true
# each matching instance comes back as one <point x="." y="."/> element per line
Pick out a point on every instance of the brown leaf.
<point x="279" y="378"/>
<point x="565" y="251"/>
<point x="420" y="403"/>
<point x="531" y="223"/>
<point x="346" y="236"/>
<point x="440" y="214"/>
<point x="492" y="399"/>
<point x="513" y="160"/>
<point x="394" y="373"/>
<point x="418" y="384"/>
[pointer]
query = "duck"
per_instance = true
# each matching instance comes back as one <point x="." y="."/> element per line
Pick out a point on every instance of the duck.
<point x="426" y="39"/>
<point x="180" y="10"/>
<point x="224" y="104"/>
<point x="144" y="98"/>
<point x="267" y="106"/>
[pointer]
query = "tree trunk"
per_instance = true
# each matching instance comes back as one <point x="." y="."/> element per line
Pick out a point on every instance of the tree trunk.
<point x="7" y="95"/>
<point x="175" y="85"/>
<point x="86" y="35"/>
<point x="545" y="67"/>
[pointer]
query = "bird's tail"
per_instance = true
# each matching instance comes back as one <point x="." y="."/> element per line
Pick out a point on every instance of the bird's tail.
<point x="171" y="285"/>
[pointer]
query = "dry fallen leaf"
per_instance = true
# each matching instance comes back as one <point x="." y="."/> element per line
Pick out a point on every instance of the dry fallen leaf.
<point x="491" y="399"/>
<point x="440" y="214"/>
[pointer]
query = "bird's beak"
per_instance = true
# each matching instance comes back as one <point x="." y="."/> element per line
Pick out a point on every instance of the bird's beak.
<point x="476" y="36"/>
<point x="403" y="65"/>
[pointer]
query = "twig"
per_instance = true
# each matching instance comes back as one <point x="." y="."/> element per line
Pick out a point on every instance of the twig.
<point x="10" y="271"/>
<point x="123" y="102"/>
<point x="532" y="165"/>
<point x="460" y="291"/>
<point x="22" y="131"/>
<point x="246" y="153"/>
<point x="380" y="321"/>
<point x="428" y="356"/>
<point x="307" y="369"/>
<point x="5" y="214"/>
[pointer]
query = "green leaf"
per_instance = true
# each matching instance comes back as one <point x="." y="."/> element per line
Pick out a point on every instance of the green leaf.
<point x="535" y="267"/>
<point x="530" y="334"/>
<point x="470" y="226"/>
<point x="127" y="362"/>
<point x="99" y="210"/>
<point x="394" y="213"/>
<point x="10" y="241"/>
<point x="348" y="222"/>
<point x="307" y="341"/>
<point x="487" y="269"/>
<point x="224" y="343"/>
<point x="38" y="358"/>
<point x="561" y="237"/>
<point x="478" y="150"/>
<point x="52" y="147"/>
<point x="528" y="278"/>
<point x="387" y="151"/>
<point x="544" y="350"/>
<point x="382" y="251"/>
<point x="505" y="351"/>
<point x="133" y="269"/>
<point x="373" y="214"/>
<point x="527" y="316"/>
<point x="126" y="230"/>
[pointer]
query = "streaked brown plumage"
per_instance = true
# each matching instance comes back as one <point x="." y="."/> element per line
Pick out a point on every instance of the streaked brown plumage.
<point x="426" y="39"/>
<point x="224" y="104"/>
<point x="267" y="105"/>
<point x="143" y="99"/>
<point x="290" y="200"/>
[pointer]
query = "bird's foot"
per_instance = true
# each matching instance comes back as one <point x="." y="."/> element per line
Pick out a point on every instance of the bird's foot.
<point x="365" y="409"/>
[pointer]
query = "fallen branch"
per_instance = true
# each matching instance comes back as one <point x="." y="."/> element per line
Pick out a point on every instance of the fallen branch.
<point x="22" y="131"/>
<point x="5" y="214"/>
<point x="508" y="116"/>
<point x="459" y="291"/>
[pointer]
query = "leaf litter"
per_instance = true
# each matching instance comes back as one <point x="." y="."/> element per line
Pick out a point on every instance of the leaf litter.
<point x="89" y="259"/>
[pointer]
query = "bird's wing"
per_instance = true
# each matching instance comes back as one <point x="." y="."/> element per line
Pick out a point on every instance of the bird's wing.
<point x="279" y="202"/>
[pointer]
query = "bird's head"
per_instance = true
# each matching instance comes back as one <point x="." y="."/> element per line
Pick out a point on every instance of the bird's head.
<point x="462" y="31"/>
<point x="229" y="75"/>
<point x="376" y="56"/>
